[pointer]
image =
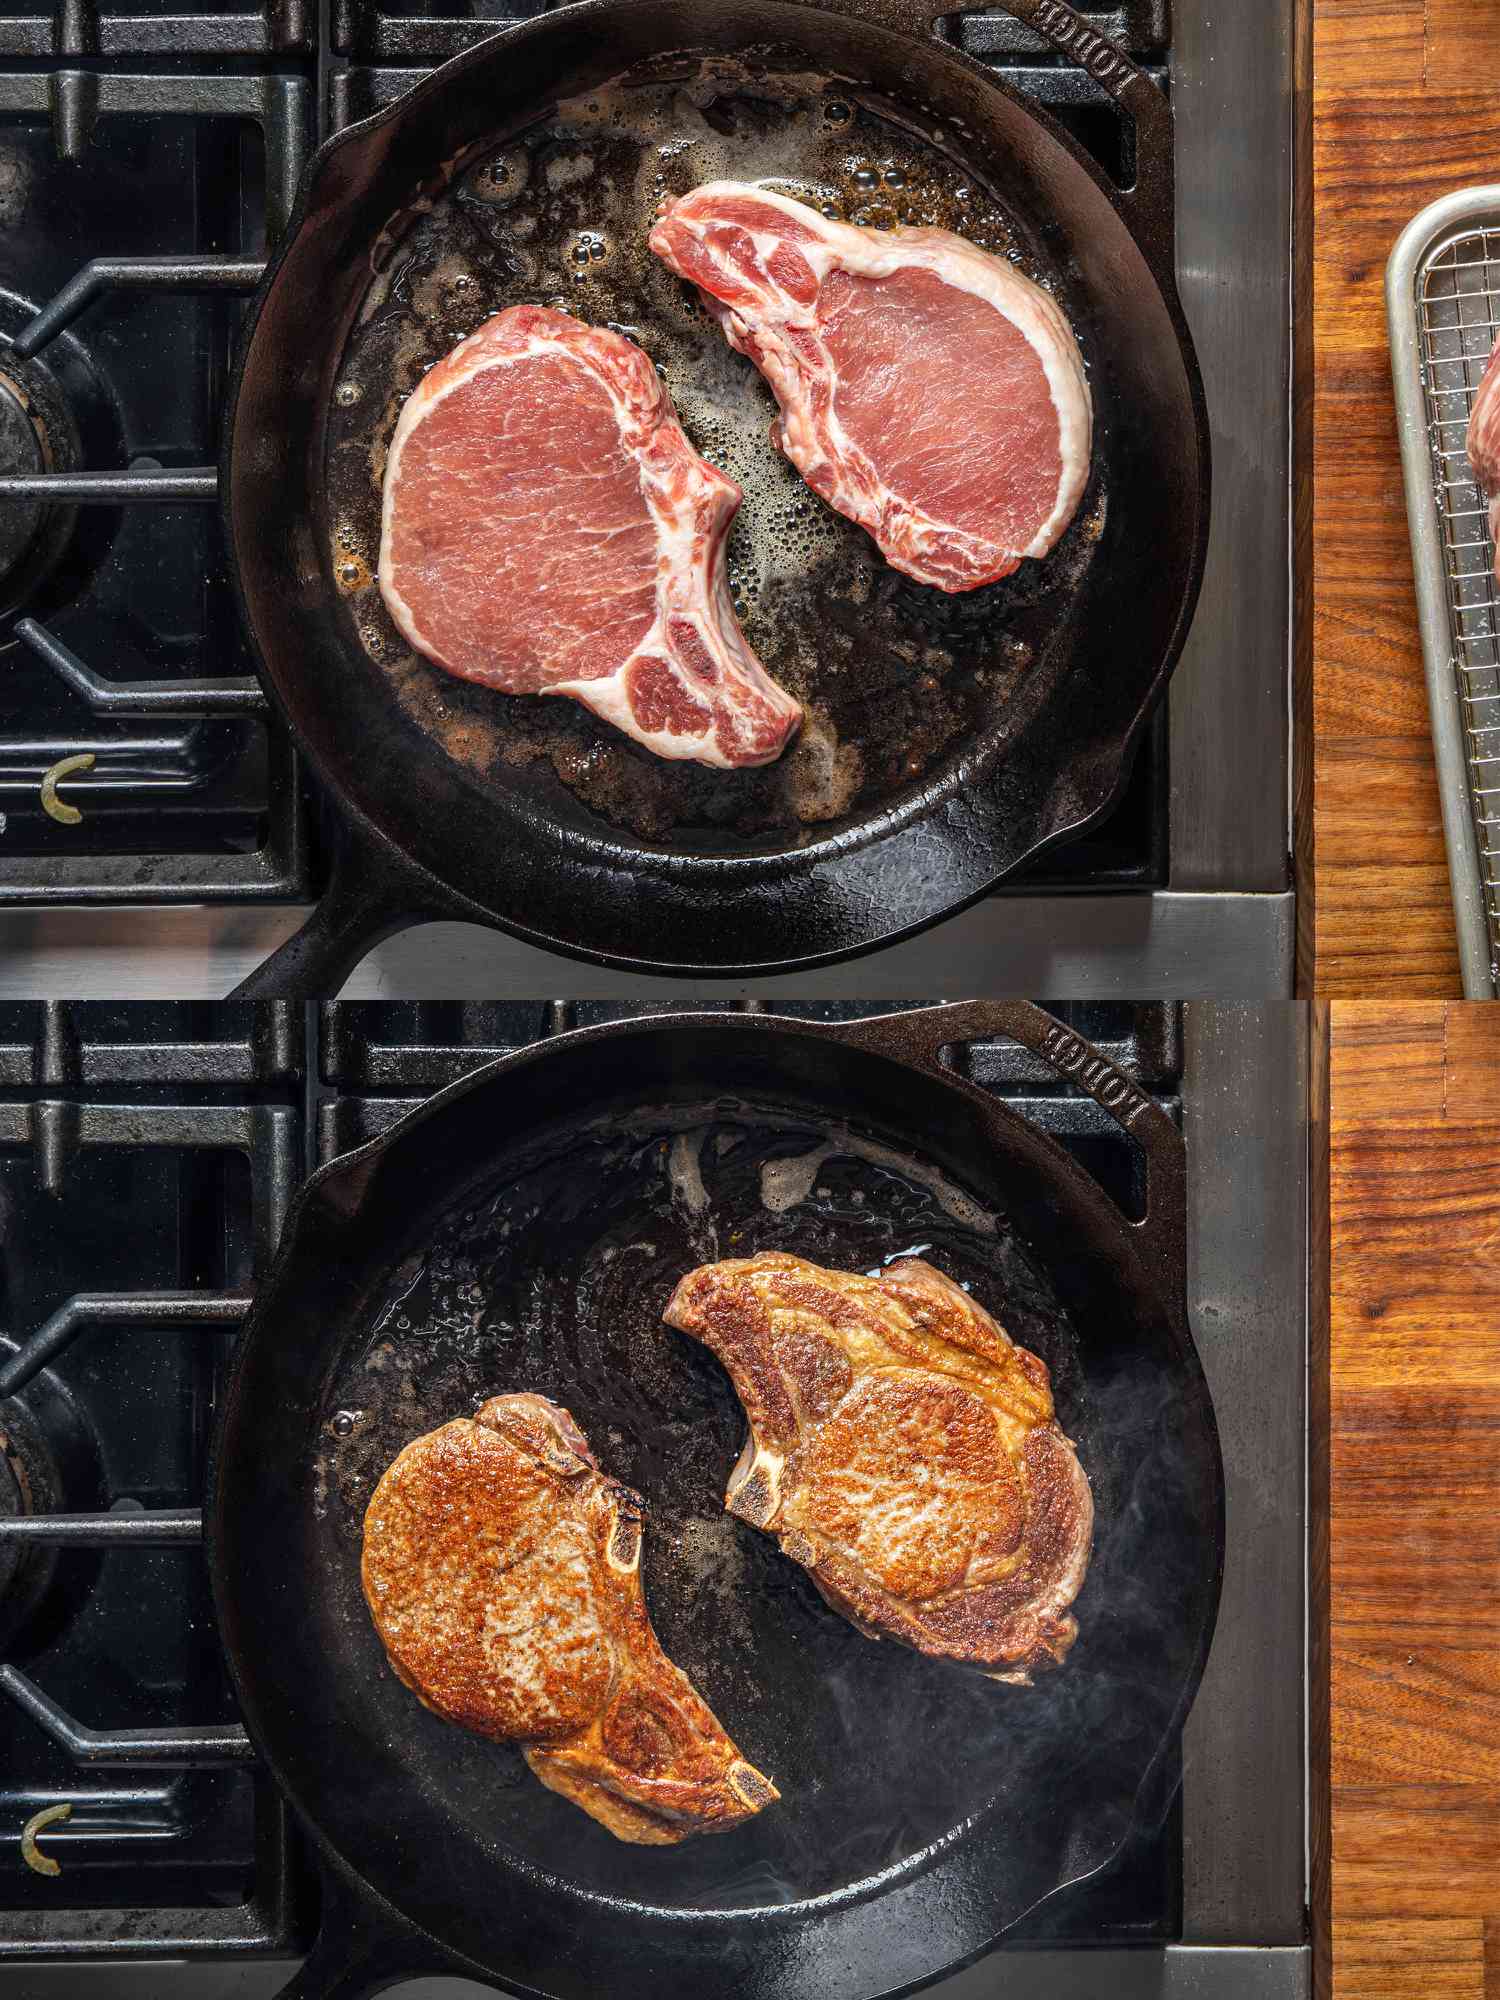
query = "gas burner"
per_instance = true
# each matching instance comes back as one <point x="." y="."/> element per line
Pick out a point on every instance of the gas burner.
<point x="17" y="1498"/>
<point x="37" y="434"/>
<point x="28" y="1485"/>
<point x="56" y="415"/>
<point x="48" y="1462"/>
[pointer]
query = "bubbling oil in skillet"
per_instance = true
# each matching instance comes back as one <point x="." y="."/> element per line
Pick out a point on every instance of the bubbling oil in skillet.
<point x="896" y="677"/>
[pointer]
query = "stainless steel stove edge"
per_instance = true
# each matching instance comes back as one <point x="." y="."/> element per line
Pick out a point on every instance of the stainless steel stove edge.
<point x="1232" y="92"/>
<point x="1245" y="1776"/>
<point x="1177" y="1972"/>
<point x="1159" y="947"/>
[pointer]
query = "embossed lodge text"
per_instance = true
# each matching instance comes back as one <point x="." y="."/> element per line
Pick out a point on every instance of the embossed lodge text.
<point x="1063" y="26"/>
<point x="1076" y="1059"/>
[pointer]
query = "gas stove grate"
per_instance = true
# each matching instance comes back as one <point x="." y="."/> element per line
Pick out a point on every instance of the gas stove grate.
<point x="84" y="28"/>
<point x="432" y="30"/>
<point x="133" y="767"/>
<point x="379" y="1059"/>
<point x="135" y="1143"/>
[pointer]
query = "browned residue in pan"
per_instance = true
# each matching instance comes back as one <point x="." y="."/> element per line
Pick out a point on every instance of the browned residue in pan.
<point x="895" y="676"/>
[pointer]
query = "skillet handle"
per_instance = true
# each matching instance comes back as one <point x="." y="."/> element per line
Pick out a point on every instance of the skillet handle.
<point x="368" y="898"/>
<point x="1150" y="202"/>
<point x="363" y="1947"/>
<point x="920" y="1037"/>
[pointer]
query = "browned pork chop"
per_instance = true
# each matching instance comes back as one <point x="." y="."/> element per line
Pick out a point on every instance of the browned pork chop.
<point x="904" y="1450"/>
<point x="502" y="1569"/>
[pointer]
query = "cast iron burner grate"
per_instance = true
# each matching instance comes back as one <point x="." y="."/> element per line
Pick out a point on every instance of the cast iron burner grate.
<point x="432" y="30"/>
<point x="135" y="208"/>
<point x="146" y="158"/>
<point x="147" y="1157"/>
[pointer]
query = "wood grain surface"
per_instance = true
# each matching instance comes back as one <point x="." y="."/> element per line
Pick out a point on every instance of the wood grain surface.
<point x="1406" y="107"/>
<point x="1414" y="1499"/>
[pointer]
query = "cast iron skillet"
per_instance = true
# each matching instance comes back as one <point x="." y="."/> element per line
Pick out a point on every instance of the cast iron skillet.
<point x="432" y="826"/>
<point x="524" y="1228"/>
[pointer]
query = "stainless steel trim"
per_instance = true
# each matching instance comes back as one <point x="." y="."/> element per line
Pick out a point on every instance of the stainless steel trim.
<point x="1180" y="1972"/>
<point x="1434" y="382"/>
<point x="1160" y="947"/>
<point x="1230" y="727"/>
<point x="1177" y="1972"/>
<point x="1244" y="1102"/>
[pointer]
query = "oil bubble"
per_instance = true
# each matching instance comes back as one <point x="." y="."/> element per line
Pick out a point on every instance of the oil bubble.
<point x="501" y="180"/>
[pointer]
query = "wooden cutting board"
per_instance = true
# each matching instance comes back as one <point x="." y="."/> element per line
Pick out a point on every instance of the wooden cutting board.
<point x="1406" y="107"/>
<point x="1414" y="1483"/>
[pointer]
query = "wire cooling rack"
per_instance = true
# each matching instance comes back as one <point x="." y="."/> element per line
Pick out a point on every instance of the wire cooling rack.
<point x="1443" y="299"/>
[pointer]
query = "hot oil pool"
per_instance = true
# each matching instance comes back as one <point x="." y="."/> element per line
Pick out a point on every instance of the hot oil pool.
<point x="551" y="1277"/>
<point x="897" y="678"/>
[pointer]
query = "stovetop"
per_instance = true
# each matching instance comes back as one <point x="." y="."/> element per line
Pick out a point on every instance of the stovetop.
<point x="145" y="160"/>
<point x="147" y="1157"/>
<point x="121" y="644"/>
<point x="145" y="1170"/>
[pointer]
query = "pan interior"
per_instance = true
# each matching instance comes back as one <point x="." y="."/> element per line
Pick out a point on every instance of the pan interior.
<point x="900" y="681"/>
<point x="552" y="1277"/>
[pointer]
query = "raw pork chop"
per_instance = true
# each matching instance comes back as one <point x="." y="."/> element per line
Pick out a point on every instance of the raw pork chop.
<point x="927" y="389"/>
<point x="1484" y="444"/>
<point x="502" y="1569"/>
<point x="548" y="529"/>
<point x="904" y="1451"/>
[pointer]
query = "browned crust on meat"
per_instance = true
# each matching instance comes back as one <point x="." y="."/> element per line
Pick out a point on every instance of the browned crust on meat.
<point x="905" y="1451"/>
<point x="502" y="1570"/>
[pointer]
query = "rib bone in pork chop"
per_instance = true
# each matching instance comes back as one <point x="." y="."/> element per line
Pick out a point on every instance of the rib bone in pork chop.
<point x="502" y="1569"/>
<point x="1484" y="444"/>
<point x="904" y="1451"/>
<point x="548" y="529"/>
<point x="927" y="389"/>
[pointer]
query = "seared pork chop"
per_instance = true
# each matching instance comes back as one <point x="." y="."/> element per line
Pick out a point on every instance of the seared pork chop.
<point x="927" y="389"/>
<point x="905" y="1451"/>
<point x="502" y="1570"/>
<point x="546" y="528"/>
